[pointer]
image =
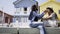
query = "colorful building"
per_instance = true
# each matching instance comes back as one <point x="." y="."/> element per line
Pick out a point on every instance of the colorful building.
<point x="53" y="4"/>
<point x="5" y="18"/>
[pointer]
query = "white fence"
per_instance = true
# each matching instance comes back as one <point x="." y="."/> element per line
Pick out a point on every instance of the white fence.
<point x="20" y="25"/>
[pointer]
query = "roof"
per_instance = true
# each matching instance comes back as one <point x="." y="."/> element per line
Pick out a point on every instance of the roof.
<point x="6" y="13"/>
<point x="20" y="0"/>
<point x="16" y="1"/>
<point x="24" y="3"/>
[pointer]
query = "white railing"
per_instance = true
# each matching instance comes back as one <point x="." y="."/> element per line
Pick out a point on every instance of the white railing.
<point x="3" y="24"/>
<point x="16" y="24"/>
<point x="20" y="25"/>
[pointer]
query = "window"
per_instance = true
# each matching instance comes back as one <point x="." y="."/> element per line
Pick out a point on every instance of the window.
<point x="6" y="19"/>
<point x="17" y="11"/>
<point x="23" y="19"/>
<point x="19" y="19"/>
<point x="20" y="9"/>
<point x="14" y="19"/>
<point x="25" y="10"/>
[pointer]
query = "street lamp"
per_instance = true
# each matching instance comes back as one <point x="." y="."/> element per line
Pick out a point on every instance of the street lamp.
<point x="2" y="15"/>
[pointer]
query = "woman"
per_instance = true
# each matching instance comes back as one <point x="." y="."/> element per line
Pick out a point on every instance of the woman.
<point x="51" y="18"/>
<point x="34" y="16"/>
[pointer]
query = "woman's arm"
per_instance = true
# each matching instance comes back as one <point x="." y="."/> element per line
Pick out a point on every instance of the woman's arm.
<point x="38" y="15"/>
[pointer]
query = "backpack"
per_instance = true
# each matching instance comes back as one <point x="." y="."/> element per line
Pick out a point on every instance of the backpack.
<point x="30" y="16"/>
<point x="36" y="19"/>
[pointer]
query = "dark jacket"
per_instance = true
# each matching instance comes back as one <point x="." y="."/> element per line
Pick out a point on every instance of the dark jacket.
<point x="34" y="16"/>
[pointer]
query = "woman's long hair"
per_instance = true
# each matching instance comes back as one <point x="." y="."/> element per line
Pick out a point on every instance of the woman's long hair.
<point x="34" y="8"/>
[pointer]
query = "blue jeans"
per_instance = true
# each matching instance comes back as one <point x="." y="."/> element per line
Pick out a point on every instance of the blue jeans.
<point x="39" y="26"/>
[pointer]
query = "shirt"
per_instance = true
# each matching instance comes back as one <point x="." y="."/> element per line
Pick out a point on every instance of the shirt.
<point x="36" y="14"/>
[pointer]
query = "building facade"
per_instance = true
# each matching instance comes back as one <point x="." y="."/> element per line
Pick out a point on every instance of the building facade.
<point x="23" y="9"/>
<point x="5" y="18"/>
<point x="53" y="4"/>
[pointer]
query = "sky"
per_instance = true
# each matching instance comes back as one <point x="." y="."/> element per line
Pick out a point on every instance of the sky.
<point x="8" y="7"/>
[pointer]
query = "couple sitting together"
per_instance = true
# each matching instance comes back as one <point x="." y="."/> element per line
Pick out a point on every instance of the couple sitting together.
<point x="34" y="17"/>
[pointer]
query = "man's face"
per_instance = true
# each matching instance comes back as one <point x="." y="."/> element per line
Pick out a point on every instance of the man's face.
<point x="48" y="10"/>
<point x="45" y="11"/>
